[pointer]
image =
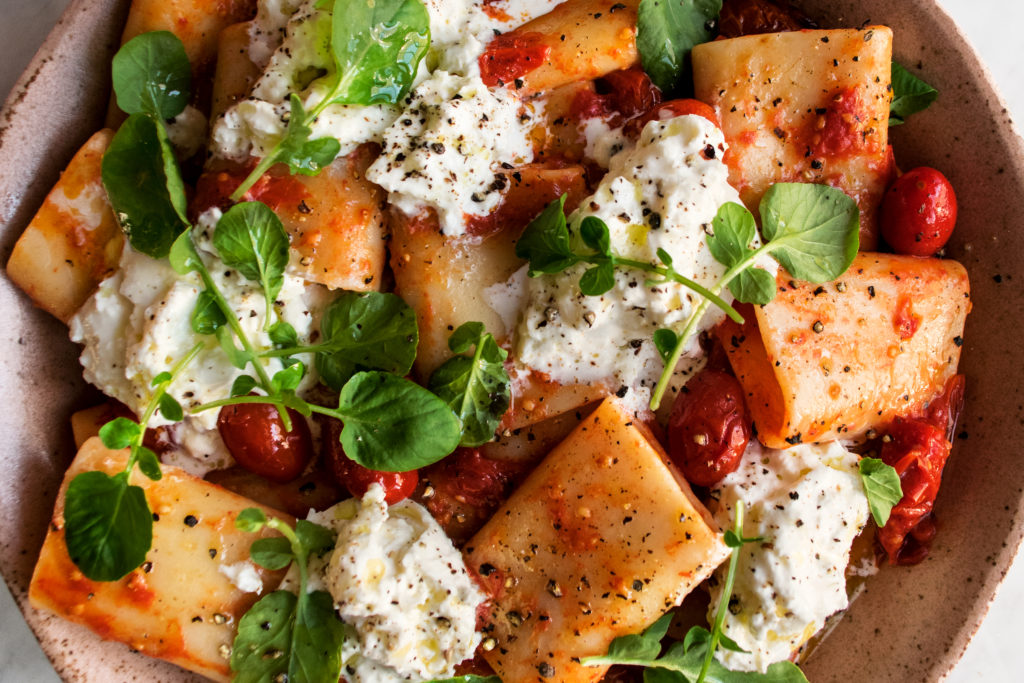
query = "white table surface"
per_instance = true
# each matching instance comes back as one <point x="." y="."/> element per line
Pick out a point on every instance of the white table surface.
<point x="993" y="27"/>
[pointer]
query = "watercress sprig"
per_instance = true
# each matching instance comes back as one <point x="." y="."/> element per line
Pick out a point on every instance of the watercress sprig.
<point x="693" y="661"/>
<point x="813" y="231"/>
<point x="909" y="95"/>
<point x="376" y="48"/>
<point x="881" y="486"/>
<point x="108" y="526"/>
<point x="476" y="387"/>
<point x="288" y="636"/>
<point x="666" y="32"/>
<point x="547" y="245"/>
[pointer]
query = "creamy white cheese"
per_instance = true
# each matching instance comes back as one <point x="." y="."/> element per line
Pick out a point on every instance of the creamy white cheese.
<point x="187" y="132"/>
<point x="135" y="326"/>
<point x="808" y="504"/>
<point x="445" y="148"/>
<point x="243" y="575"/>
<point x="399" y="582"/>
<point x="664" y="194"/>
<point x="602" y="141"/>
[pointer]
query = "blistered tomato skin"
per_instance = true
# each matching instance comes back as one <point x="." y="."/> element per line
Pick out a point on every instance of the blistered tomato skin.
<point x="709" y="427"/>
<point x="919" y="212"/>
<point x="357" y="479"/>
<point x="256" y="437"/>
<point x="671" y="109"/>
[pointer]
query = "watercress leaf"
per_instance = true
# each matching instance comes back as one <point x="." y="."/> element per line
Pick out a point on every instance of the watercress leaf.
<point x="666" y="32"/>
<point x="317" y="640"/>
<point x="635" y="648"/>
<point x="250" y="520"/>
<point x="594" y="232"/>
<point x="812" y="230"/>
<point x="170" y="408"/>
<point x="120" y="433"/>
<point x="183" y="255"/>
<point x="753" y="286"/>
<point x="664" y="257"/>
<point x="262" y="648"/>
<point x="728" y="643"/>
<point x="236" y="356"/>
<point x="477" y="387"/>
<point x="161" y="378"/>
<point x="283" y="335"/>
<point x="664" y="676"/>
<point x="148" y="463"/>
<point x="314" y="538"/>
<point x="144" y="185"/>
<point x="272" y="553"/>
<point x="665" y="341"/>
<point x="207" y="316"/>
<point x="251" y="239"/>
<point x="598" y="279"/>
<point x="545" y="241"/>
<point x="881" y="486"/>
<point x="372" y="330"/>
<point x="909" y="95"/>
<point x="295" y="149"/>
<point x="289" y="378"/>
<point x="377" y="47"/>
<point x="108" y="526"/>
<point x="733" y="231"/>
<point x="466" y="336"/>
<point x="394" y="425"/>
<point x="697" y="635"/>
<point x="152" y="75"/>
<point x="242" y="385"/>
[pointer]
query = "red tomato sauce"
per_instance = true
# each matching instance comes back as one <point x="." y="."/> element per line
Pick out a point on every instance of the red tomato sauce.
<point x="511" y="56"/>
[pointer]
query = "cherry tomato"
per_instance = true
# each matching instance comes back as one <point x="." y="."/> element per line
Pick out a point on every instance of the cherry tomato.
<point x="512" y="55"/>
<point x="255" y="435"/>
<point x="944" y="410"/>
<point x="709" y="427"/>
<point x="357" y="479"/>
<point x="919" y="212"/>
<point x="917" y="449"/>
<point x="747" y="17"/>
<point x="668" y="110"/>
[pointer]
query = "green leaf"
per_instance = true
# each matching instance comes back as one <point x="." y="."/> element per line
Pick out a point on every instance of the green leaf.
<point x="108" y="526"/>
<point x="665" y="341"/>
<point x="909" y="95"/>
<point x="317" y="641"/>
<point x="287" y="379"/>
<point x="371" y="330"/>
<point x="236" y="356"/>
<point x="148" y="463"/>
<point x="597" y="280"/>
<point x="812" y="230"/>
<point x="730" y="244"/>
<point x="170" y="408"/>
<point x="881" y="486"/>
<point x="545" y="241"/>
<point x="303" y="155"/>
<point x="377" y="47"/>
<point x="250" y="520"/>
<point x="183" y="256"/>
<point x="315" y="539"/>
<point x="594" y="232"/>
<point x="144" y="185"/>
<point x="242" y="385"/>
<point x="666" y="32"/>
<point x="476" y="387"/>
<point x="152" y="75"/>
<point x="753" y="286"/>
<point x="394" y="425"/>
<point x="664" y="257"/>
<point x="262" y="648"/>
<point x="120" y="433"/>
<point x="283" y="335"/>
<point x="251" y="239"/>
<point x="161" y="378"/>
<point x="207" y="316"/>
<point x="272" y="553"/>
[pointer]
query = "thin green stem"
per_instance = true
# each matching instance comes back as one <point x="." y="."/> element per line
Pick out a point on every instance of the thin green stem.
<point x="685" y="281"/>
<point x="723" y="603"/>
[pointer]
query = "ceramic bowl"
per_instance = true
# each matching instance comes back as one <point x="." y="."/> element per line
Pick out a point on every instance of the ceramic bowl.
<point x="911" y="624"/>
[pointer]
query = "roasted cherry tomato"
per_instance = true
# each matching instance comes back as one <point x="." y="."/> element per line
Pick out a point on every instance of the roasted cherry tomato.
<point x="944" y="411"/>
<point x="919" y="212"/>
<point x="747" y="17"/>
<point x="668" y="110"/>
<point x="357" y="479"/>
<point x="709" y="427"/>
<point x="917" y="449"/>
<point x="255" y="435"/>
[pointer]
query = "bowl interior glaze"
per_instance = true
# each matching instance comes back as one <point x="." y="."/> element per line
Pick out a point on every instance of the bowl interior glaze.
<point x="911" y="624"/>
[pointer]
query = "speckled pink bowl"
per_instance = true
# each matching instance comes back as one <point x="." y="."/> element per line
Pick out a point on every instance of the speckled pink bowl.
<point x="915" y="622"/>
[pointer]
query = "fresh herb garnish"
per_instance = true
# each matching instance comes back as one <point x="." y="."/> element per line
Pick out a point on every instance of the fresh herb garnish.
<point x="693" y="661"/>
<point x="376" y="48"/>
<point x="152" y="75"/>
<point x="547" y="245"/>
<point x="108" y="525"/>
<point x="476" y="387"/>
<point x="139" y="170"/>
<point x="812" y="230"/>
<point x="288" y="636"/>
<point x="666" y="32"/>
<point x="881" y="486"/>
<point x="909" y="95"/>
